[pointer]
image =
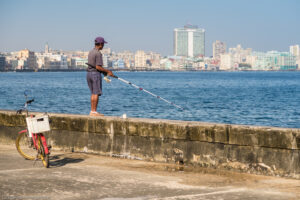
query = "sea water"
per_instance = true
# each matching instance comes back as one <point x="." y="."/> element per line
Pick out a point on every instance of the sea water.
<point x="252" y="98"/>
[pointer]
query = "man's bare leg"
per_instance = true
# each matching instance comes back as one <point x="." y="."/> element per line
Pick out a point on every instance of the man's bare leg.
<point x="94" y="104"/>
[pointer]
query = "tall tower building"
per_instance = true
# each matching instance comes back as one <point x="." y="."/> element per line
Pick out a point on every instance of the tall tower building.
<point x="189" y="41"/>
<point x="47" y="48"/>
<point x="2" y="62"/>
<point x="219" y="48"/>
<point x="140" y="59"/>
<point x="295" y="50"/>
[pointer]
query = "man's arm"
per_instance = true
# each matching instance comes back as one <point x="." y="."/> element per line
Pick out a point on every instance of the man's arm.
<point x="99" y="64"/>
<point x="102" y="69"/>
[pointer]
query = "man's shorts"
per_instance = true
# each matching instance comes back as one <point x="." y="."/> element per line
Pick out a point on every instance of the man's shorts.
<point x="94" y="80"/>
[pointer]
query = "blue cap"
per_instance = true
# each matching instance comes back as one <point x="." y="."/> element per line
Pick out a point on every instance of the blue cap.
<point x="100" y="40"/>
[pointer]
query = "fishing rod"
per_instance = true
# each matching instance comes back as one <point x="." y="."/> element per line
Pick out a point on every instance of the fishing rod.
<point x="140" y="88"/>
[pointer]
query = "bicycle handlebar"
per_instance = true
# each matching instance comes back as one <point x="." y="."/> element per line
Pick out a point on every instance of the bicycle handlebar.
<point x="29" y="101"/>
<point x="25" y="106"/>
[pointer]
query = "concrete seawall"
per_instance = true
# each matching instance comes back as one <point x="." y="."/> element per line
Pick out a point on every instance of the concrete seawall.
<point x="251" y="149"/>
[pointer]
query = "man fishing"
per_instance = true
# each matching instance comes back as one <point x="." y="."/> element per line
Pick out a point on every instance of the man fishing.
<point x="94" y="77"/>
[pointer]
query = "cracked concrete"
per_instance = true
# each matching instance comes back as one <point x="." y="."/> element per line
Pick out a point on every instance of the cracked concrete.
<point x="87" y="176"/>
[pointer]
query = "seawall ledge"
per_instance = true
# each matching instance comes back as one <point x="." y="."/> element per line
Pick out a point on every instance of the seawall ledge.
<point x="253" y="149"/>
<point x="151" y="120"/>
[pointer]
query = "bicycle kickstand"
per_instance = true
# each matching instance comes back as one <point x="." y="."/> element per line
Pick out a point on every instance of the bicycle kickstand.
<point x="36" y="158"/>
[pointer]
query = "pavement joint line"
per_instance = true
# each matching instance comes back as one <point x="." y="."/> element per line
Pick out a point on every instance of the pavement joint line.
<point x="16" y="170"/>
<point x="205" y="194"/>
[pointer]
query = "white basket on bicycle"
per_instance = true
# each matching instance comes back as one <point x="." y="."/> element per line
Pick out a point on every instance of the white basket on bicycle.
<point x="37" y="124"/>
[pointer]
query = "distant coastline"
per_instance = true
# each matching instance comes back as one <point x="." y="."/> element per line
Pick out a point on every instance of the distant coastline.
<point x="143" y="70"/>
<point x="79" y="70"/>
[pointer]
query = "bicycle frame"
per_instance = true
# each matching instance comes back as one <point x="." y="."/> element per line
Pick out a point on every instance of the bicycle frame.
<point x="35" y="140"/>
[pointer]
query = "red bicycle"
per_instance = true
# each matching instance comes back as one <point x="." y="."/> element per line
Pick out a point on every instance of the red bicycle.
<point x="31" y="143"/>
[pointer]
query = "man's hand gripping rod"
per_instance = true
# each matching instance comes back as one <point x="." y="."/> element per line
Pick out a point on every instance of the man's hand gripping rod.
<point x="141" y="89"/>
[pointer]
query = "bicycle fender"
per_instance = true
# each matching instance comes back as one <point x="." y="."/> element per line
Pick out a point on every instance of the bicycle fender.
<point x="23" y="131"/>
<point x="44" y="144"/>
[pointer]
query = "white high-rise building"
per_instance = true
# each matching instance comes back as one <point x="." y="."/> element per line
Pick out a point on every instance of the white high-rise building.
<point x="189" y="41"/>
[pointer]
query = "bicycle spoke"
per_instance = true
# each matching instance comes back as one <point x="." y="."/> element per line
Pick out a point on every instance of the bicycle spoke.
<point x="25" y="146"/>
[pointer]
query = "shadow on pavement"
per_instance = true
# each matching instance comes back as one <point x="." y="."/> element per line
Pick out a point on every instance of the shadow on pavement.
<point x="59" y="161"/>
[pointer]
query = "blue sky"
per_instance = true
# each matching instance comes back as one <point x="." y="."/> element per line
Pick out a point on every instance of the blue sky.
<point x="148" y="25"/>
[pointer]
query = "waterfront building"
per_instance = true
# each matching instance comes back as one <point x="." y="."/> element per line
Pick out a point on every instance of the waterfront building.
<point x="127" y="56"/>
<point x="78" y="63"/>
<point x="41" y="58"/>
<point x="105" y="60"/>
<point x="166" y="64"/>
<point x="106" y="51"/>
<point x="29" y="59"/>
<point x="235" y="57"/>
<point x="239" y="55"/>
<point x="226" y="61"/>
<point x="11" y="56"/>
<point x="189" y="41"/>
<point x="273" y="60"/>
<point x="11" y="60"/>
<point x="21" y="64"/>
<point x="295" y="50"/>
<point x="287" y="61"/>
<point x="140" y="59"/>
<point x="51" y="60"/>
<point x="118" y="64"/>
<point x="13" y="64"/>
<point x="155" y="64"/>
<point x="177" y="63"/>
<point x="219" y="48"/>
<point x="153" y="60"/>
<point x="2" y="62"/>
<point x="199" y="65"/>
<point x="71" y="54"/>
<point x="55" y="61"/>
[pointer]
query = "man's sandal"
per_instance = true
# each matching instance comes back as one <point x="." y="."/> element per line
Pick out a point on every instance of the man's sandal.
<point x="93" y="113"/>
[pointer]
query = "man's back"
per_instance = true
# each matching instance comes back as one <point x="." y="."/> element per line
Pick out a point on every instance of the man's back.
<point x="94" y="58"/>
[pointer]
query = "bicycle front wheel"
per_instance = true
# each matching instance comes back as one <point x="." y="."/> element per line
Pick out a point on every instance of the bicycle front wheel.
<point x="25" y="146"/>
<point x="44" y="156"/>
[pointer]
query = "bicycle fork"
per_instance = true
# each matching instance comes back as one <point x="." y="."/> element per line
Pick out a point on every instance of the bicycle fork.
<point x="39" y="138"/>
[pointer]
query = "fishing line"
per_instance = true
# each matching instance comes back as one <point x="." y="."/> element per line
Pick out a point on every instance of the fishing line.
<point x="141" y="89"/>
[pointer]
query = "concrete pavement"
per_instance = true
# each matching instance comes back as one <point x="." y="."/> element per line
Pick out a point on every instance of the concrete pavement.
<point x="86" y="176"/>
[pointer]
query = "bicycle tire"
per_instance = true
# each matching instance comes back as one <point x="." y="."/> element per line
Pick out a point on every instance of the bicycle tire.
<point x="44" y="157"/>
<point x="25" y="147"/>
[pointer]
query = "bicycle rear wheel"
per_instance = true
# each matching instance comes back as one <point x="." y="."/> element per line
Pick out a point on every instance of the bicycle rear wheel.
<point x="44" y="156"/>
<point x="25" y="146"/>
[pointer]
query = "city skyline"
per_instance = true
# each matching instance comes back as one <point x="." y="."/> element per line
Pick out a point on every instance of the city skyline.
<point x="134" y="25"/>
